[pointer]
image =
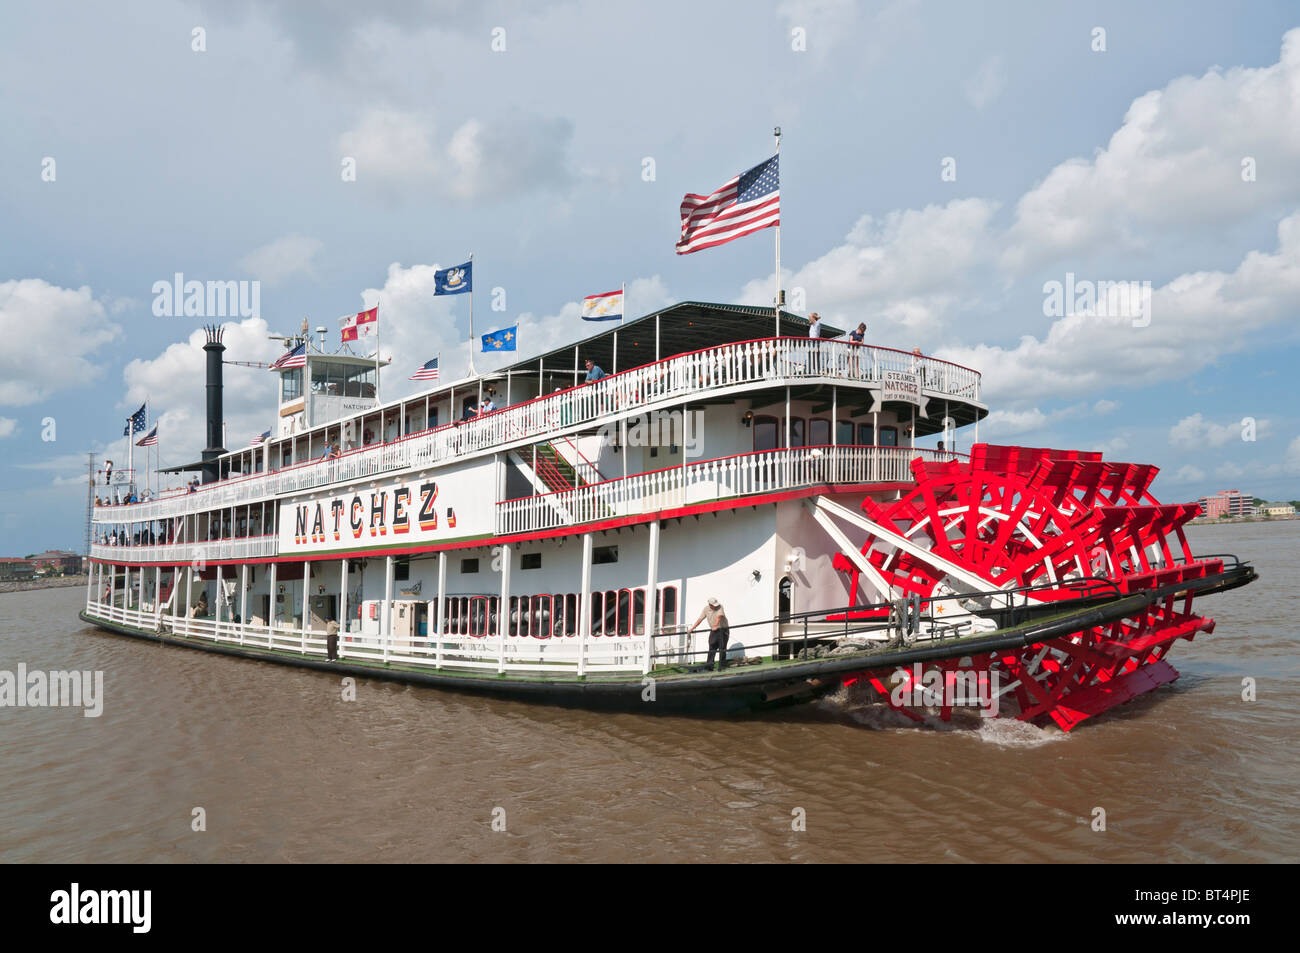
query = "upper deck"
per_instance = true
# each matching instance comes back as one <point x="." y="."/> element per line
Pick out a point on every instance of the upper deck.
<point x="758" y="371"/>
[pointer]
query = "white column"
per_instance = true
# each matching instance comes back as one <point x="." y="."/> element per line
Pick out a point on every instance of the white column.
<point x="651" y="591"/>
<point x="584" y="604"/>
<point x="441" y="611"/>
<point x="306" y="595"/>
<point x="157" y="593"/>
<point x="217" y="603"/>
<point x="343" y="600"/>
<point x="112" y="585"/>
<point x="503" y="614"/>
<point x="189" y="595"/>
<point x="270" y="612"/>
<point x="90" y="573"/>
<point x="386" y="616"/>
<point x="243" y="601"/>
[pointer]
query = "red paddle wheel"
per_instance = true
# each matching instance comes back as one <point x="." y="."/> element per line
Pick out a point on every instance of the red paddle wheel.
<point x="1020" y="516"/>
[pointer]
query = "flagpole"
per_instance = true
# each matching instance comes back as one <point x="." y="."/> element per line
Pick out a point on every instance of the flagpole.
<point x="622" y="300"/>
<point x="777" y="133"/>
<point x="130" y="450"/>
<point x="471" y="314"/>
<point x="378" y="399"/>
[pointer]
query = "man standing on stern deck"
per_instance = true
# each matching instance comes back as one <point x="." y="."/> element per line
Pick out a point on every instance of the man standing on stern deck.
<point x="719" y="632"/>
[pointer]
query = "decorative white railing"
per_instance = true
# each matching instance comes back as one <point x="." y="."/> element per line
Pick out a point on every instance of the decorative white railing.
<point x="571" y="654"/>
<point x="770" y="361"/>
<point x="766" y="471"/>
<point x="204" y="551"/>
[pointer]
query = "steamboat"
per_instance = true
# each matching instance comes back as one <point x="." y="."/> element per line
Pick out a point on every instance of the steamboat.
<point x="532" y="533"/>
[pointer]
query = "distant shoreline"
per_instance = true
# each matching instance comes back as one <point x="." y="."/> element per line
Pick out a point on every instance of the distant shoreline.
<point x="58" y="582"/>
<point x="1202" y="521"/>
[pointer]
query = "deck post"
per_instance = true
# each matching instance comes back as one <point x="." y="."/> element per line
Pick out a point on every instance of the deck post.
<point x="386" y="615"/>
<point x="112" y="586"/>
<point x="584" y="605"/>
<point x="272" y="582"/>
<point x="243" y="600"/>
<point x="216" y="605"/>
<point x="503" y="613"/>
<point x="651" y="597"/>
<point x="90" y="574"/>
<point x="157" y="592"/>
<point x="441" y="611"/>
<point x="343" y="594"/>
<point x="189" y="595"/>
<point x="306" y="596"/>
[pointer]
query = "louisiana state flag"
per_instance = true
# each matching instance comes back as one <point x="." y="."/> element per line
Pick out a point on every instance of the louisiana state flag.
<point x="503" y="340"/>
<point x="455" y="280"/>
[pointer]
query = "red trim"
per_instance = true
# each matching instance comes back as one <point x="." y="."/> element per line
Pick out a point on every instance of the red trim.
<point x="616" y="523"/>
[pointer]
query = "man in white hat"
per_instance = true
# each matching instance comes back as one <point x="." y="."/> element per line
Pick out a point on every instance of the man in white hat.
<point x="719" y="632"/>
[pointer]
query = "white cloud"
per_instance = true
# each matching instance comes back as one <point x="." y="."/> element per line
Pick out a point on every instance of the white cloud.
<point x="1291" y="462"/>
<point x="1195" y="432"/>
<point x="1175" y="161"/>
<point x="8" y="427"/>
<point x="173" y="383"/>
<point x="1189" y="474"/>
<point x="901" y="273"/>
<point x="1104" y="406"/>
<point x="987" y="83"/>
<point x="283" y="258"/>
<point x="1087" y="353"/>
<point x="396" y="150"/>
<point x="50" y="335"/>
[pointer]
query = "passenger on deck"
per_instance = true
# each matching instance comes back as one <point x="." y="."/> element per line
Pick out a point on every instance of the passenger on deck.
<point x="201" y="607"/>
<point x="487" y="406"/>
<point x="719" y="632"/>
<point x="594" y="372"/>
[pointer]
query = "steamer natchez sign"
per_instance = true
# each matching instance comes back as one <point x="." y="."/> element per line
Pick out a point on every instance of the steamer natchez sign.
<point x="424" y="510"/>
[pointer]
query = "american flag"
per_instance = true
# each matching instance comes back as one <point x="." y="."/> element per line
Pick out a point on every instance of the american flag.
<point x="750" y="201"/>
<point x="136" y="422"/>
<point x="259" y="439"/>
<point x="150" y="439"/>
<point x="427" y="372"/>
<point x="295" y="358"/>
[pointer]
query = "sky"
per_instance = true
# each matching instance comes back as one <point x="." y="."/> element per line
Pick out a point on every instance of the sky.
<point x="944" y="167"/>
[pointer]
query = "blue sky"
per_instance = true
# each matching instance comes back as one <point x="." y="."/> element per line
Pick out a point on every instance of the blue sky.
<point x="225" y="164"/>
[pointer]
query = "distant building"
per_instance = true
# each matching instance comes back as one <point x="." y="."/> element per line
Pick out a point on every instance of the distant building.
<point x="1278" y="509"/>
<point x="1227" y="503"/>
<point x="57" y="561"/>
<point x="16" y="569"/>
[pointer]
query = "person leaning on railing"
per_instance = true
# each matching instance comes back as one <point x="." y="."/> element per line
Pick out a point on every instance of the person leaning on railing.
<point x="857" y="337"/>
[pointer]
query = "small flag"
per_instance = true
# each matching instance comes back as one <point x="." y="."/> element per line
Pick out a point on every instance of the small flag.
<point x="749" y="202"/>
<point x="503" y="340"/>
<point x="603" y="307"/>
<point x="136" y="422"/>
<point x="259" y="439"/>
<point x="360" y="325"/>
<point x="427" y="372"/>
<point x="455" y="280"/>
<point x="295" y="358"/>
<point x="150" y="439"/>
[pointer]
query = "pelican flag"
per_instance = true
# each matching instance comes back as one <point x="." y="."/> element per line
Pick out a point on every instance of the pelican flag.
<point x="503" y="340"/>
<point x="455" y="280"/>
<point x="603" y="307"/>
<point x="360" y="325"/>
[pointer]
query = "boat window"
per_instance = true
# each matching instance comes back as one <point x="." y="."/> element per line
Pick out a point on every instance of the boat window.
<point x="638" y="612"/>
<point x="469" y="565"/>
<point x="290" y="385"/>
<point x="530" y="561"/>
<point x="844" y="432"/>
<point x="797" y="432"/>
<point x="889" y="436"/>
<point x="819" y="432"/>
<point x="668" y="606"/>
<point x="624" y="612"/>
<point x="865" y="437"/>
<point x="604" y="554"/>
<point x="767" y="435"/>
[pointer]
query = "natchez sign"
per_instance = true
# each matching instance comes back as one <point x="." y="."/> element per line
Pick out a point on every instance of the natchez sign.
<point x="427" y="510"/>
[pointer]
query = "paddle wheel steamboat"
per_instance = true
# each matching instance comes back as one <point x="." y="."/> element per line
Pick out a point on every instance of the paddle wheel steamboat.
<point x="559" y="548"/>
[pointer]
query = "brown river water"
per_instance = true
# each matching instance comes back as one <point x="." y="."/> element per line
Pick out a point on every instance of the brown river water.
<point x="286" y="770"/>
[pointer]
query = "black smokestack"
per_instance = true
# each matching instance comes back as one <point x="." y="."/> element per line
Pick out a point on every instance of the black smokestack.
<point x="214" y="349"/>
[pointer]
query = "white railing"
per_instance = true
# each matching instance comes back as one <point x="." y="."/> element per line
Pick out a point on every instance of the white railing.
<point x="523" y="654"/>
<point x="206" y="551"/>
<point x="767" y="362"/>
<point x="766" y="471"/>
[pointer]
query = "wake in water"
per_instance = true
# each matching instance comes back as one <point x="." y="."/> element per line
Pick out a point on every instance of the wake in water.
<point x="861" y="706"/>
